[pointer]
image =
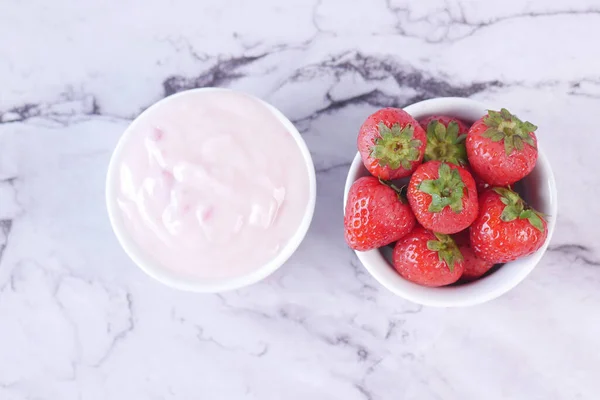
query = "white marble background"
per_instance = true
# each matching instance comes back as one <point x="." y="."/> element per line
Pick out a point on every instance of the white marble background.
<point x="79" y="321"/>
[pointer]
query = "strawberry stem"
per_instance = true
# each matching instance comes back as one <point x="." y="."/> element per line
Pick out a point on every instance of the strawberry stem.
<point x="396" y="147"/>
<point x="445" y="144"/>
<point x="447" y="190"/>
<point x="507" y="127"/>
<point x="400" y="192"/>
<point x="515" y="208"/>
<point x="446" y="248"/>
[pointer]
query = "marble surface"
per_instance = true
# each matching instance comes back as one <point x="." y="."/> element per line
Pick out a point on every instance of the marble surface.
<point x="79" y="321"/>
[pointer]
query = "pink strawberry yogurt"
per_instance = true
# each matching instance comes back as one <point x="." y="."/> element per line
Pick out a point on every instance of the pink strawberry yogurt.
<point x="211" y="184"/>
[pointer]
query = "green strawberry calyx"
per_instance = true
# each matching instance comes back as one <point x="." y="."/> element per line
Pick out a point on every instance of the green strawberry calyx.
<point x="446" y="190"/>
<point x="400" y="192"/>
<point x="515" y="208"/>
<point x="446" y="248"/>
<point x="502" y="125"/>
<point x="445" y="144"/>
<point x="396" y="147"/>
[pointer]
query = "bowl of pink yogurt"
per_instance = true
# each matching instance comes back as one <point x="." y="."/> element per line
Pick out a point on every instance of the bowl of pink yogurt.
<point x="210" y="190"/>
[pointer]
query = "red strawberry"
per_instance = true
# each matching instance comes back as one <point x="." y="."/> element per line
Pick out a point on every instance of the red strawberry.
<point x="501" y="148"/>
<point x="445" y="140"/>
<point x="506" y="227"/>
<point x="391" y="143"/>
<point x="443" y="197"/>
<point x="376" y="215"/>
<point x="462" y="238"/>
<point x="479" y="183"/>
<point x="475" y="267"/>
<point x="445" y="120"/>
<point x="427" y="258"/>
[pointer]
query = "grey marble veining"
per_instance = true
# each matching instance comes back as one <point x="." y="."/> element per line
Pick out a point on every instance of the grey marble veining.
<point x="79" y="321"/>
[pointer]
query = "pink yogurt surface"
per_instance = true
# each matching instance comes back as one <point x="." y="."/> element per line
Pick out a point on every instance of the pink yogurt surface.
<point x="211" y="184"/>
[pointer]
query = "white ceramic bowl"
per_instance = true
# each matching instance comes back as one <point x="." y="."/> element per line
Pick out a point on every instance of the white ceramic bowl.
<point x="539" y="192"/>
<point x="164" y="275"/>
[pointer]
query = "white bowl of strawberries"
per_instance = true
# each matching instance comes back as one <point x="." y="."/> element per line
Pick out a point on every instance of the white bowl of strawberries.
<point x="448" y="202"/>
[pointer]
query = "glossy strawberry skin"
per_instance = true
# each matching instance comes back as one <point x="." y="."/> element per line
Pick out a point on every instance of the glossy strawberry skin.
<point x="369" y="134"/>
<point x="489" y="160"/>
<point x="375" y="216"/>
<point x="462" y="127"/>
<point x="446" y="221"/>
<point x="416" y="263"/>
<point x="475" y="267"/>
<point x="497" y="241"/>
<point x="481" y="185"/>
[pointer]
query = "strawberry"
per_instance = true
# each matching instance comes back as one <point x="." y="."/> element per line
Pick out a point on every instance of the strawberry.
<point x="427" y="258"/>
<point x="443" y="197"/>
<point x="391" y="143"/>
<point x="479" y="183"/>
<point x="501" y="148"/>
<point x="475" y="267"/>
<point x="445" y="140"/>
<point x="506" y="227"/>
<point x="376" y="214"/>
<point x="462" y="238"/>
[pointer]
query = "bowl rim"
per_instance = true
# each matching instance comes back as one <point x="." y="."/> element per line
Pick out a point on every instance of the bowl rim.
<point x="178" y="281"/>
<point x="452" y="296"/>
